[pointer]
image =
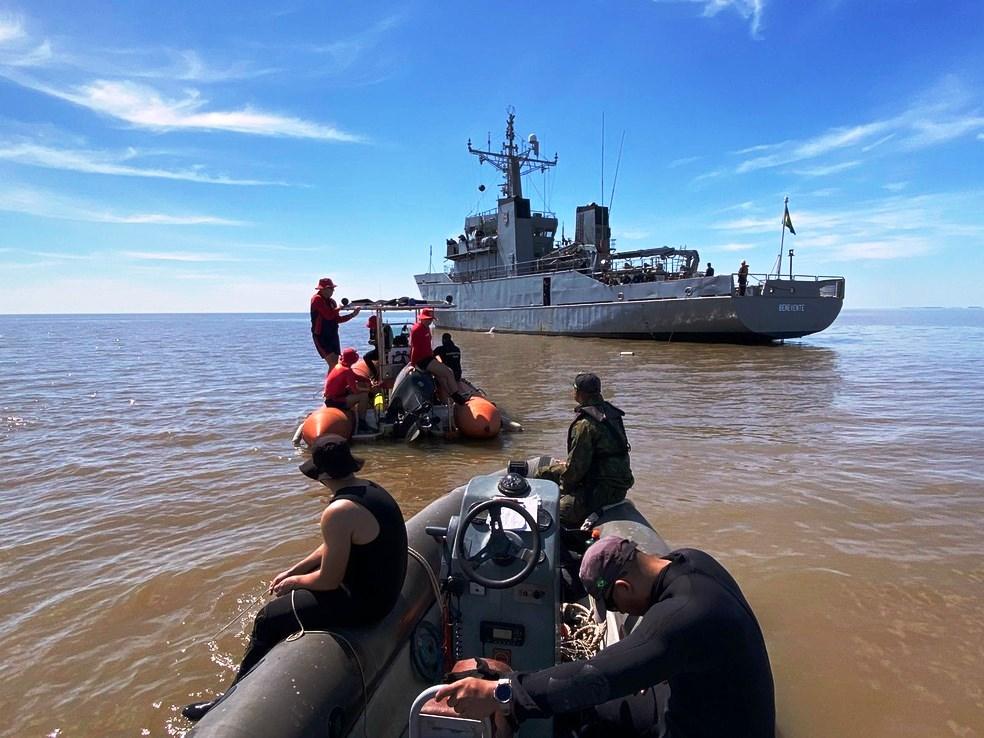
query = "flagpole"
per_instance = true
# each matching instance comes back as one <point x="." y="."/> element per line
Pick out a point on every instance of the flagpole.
<point x="782" y="238"/>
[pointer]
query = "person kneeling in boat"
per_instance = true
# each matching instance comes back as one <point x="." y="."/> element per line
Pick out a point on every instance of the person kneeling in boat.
<point x="696" y="665"/>
<point x="343" y="391"/>
<point x="422" y="356"/>
<point x="597" y="472"/>
<point x="353" y="578"/>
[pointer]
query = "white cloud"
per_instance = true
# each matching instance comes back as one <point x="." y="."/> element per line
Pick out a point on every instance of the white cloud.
<point x="750" y="10"/>
<point x="942" y="115"/>
<point x="144" y="106"/>
<point x="183" y="256"/>
<point x="824" y="171"/>
<point x="890" y="228"/>
<point x="682" y="162"/>
<point x="11" y="29"/>
<point x="51" y="205"/>
<point x="100" y="162"/>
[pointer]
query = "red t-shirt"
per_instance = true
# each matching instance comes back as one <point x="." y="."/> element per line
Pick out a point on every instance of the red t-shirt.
<point x="420" y="343"/>
<point x="340" y="382"/>
<point x="322" y="309"/>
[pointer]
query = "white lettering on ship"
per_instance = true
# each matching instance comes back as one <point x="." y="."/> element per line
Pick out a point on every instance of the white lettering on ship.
<point x="785" y="307"/>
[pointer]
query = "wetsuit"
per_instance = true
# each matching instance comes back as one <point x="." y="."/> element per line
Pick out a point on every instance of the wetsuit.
<point x="370" y="587"/>
<point x="450" y="355"/>
<point x="325" y="318"/>
<point x="699" y="635"/>
<point x="421" y="353"/>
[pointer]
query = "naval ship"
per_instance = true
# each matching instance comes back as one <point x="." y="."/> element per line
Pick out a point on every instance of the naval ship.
<point x="508" y="273"/>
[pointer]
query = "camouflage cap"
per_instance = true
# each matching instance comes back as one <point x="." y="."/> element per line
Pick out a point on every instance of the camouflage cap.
<point x="604" y="561"/>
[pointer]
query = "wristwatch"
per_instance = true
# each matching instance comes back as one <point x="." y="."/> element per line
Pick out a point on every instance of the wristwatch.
<point x="503" y="694"/>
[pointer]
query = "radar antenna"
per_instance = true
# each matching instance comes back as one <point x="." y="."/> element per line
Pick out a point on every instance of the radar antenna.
<point x="512" y="160"/>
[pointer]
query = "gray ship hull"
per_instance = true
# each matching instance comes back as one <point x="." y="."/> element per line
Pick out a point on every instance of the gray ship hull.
<point x="573" y="304"/>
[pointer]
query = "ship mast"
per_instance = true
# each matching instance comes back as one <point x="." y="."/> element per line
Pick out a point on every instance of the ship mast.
<point x="513" y="161"/>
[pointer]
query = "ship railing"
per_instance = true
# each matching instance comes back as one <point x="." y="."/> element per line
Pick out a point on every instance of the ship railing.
<point x="493" y="214"/>
<point x="829" y="286"/>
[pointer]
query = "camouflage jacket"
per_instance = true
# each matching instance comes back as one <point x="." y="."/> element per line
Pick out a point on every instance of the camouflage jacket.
<point x="597" y="454"/>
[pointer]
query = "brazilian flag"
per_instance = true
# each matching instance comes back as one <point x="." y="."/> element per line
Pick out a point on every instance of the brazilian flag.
<point x="788" y="222"/>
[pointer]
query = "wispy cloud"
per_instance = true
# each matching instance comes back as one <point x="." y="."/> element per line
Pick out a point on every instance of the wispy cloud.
<point x="749" y="10"/>
<point x="144" y="106"/>
<point x="183" y="256"/>
<point x="891" y="228"/>
<point x="824" y="171"/>
<point x="945" y="113"/>
<point x="102" y="162"/>
<point x="11" y="29"/>
<point x="51" y="205"/>
<point x="682" y="162"/>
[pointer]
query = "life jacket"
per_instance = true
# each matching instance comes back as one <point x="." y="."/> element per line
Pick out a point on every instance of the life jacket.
<point x="608" y="417"/>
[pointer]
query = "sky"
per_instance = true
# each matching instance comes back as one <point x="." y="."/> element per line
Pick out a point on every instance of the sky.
<point x="222" y="156"/>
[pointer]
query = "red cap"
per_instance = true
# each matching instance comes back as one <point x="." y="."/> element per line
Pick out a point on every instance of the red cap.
<point x="426" y="314"/>
<point x="371" y="323"/>
<point x="349" y="357"/>
<point x="323" y="283"/>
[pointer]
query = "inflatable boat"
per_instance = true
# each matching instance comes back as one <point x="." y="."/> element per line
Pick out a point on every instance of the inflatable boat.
<point x="485" y="579"/>
<point x="405" y="403"/>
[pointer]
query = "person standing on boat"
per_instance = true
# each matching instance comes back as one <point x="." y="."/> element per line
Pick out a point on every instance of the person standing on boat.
<point x="343" y="391"/>
<point x="596" y="472"/>
<point x="353" y="578"/>
<point x="742" y="277"/>
<point x="422" y="355"/>
<point x="709" y="272"/>
<point x="696" y="665"/>
<point x="325" y="318"/>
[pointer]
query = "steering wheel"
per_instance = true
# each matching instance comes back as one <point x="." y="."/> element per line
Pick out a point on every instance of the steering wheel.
<point x="503" y="545"/>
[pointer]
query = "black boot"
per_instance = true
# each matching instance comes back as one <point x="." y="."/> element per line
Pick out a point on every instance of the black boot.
<point x="197" y="710"/>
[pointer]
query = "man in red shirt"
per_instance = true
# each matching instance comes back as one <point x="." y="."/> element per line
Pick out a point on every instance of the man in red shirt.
<point x="422" y="356"/>
<point x="342" y="389"/>
<point x="325" y="317"/>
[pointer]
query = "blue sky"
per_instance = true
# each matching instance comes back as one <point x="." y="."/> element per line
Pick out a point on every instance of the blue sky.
<point x="159" y="157"/>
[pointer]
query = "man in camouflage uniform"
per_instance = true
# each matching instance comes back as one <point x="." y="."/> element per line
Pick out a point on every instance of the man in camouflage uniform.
<point x="597" y="471"/>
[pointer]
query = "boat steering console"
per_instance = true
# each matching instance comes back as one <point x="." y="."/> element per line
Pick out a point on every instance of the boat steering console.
<point x="501" y="572"/>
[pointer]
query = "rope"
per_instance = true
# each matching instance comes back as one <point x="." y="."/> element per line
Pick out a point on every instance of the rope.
<point x="585" y="636"/>
<point x="433" y="580"/>
<point x="351" y="648"/>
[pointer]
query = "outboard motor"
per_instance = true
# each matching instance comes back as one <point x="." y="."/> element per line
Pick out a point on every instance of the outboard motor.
<point x="412" y="403"/>
<point x="503" y="572"/>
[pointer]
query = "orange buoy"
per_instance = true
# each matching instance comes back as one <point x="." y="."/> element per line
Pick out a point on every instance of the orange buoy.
<point x="325" y="420"/>
<point x="478" y="418"/>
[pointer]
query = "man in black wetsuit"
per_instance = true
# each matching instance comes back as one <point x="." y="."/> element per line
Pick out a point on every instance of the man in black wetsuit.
<point x="695" y="666"/>
<point x="353" y="578"/>
<point x="450" y="355"/>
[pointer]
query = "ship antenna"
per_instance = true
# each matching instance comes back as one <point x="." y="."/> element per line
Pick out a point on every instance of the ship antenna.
<point x="603" y="159"/>
<point x="618" y="162"/>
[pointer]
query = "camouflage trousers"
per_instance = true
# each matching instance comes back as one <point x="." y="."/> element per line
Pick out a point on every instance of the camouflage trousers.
<point x="574" y="508"/>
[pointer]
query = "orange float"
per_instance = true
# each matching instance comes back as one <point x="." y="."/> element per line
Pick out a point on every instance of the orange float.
<point x="477" y="418"/>
<point x="326" y="420"/>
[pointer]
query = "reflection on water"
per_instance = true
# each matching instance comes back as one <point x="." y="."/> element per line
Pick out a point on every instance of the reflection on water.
<point x="149" y="487"/>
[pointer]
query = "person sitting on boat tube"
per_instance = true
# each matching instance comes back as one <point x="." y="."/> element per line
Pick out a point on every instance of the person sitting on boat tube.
<point x="422" y="356"/>
<point x="325" y="318"/>
<point x="343" y="391"/>
<point x="695" y="665"/>
<point x="597" y="472"/>
<point x="354" y="577"/>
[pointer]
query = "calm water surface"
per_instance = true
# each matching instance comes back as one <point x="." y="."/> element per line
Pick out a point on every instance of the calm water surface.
<point x="148" y="488"/>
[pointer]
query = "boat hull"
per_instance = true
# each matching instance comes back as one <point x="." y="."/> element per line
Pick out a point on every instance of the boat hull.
<point x="702" y="309"/>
